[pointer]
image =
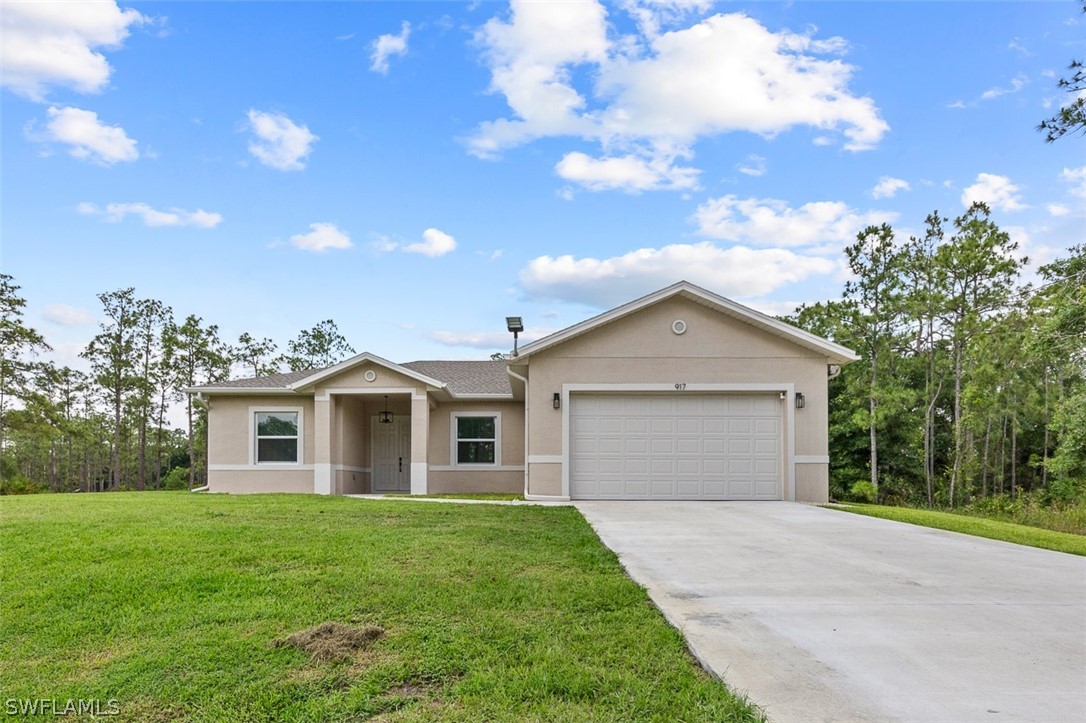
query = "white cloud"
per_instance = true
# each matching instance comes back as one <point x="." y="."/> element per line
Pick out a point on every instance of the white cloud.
<point x="280" y="143"/>
<point x="1016" y="45"/>
<point x="651" y="15"/>
<point x="65" y="315"/>
<point x="385" y="46"/>
<point x="115" y="212"/>
<point x="1076" y="178"/>
<point x="754" y="166"/>
<point x="1057" y="209"/>
<point x="654" y="97"/>
<point x="488" y="339"/>
<point x="771" y="222"/>
<point x="1018" y="82"/>
<point x="996" y="191"/>
<point x="55" y="44"/>
<point x="626" y="173"/>
<point x="88" y="138"/>
<point x="321" y="237"/>
<point x="888" y="186"/>
<point x="434" y="243"/>
<point x="734" y="272"/>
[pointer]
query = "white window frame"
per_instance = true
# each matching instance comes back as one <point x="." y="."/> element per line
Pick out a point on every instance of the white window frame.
<point x="254" y="439"/>
<point x="454" y="439"/>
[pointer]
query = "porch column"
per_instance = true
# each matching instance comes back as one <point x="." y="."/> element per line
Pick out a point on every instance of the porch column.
<point x="420" y="440"/>
<point x="323" y="423"/>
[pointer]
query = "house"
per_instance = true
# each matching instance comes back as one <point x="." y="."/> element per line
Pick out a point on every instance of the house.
<point x="681" y="394"/>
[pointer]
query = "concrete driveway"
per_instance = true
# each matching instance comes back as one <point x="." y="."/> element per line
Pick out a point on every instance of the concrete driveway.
<point x="822" y="615"/>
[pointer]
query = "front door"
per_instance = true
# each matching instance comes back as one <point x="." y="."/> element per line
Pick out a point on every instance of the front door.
<point x="392" y="455"/>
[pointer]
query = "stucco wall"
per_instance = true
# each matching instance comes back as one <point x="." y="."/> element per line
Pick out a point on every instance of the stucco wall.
<point x="229" y="425"/>
<point x="642" y="348"/>
<point x="507" y="478"/>
<point x="813" y="483"/>
<point x="251" y="481"/>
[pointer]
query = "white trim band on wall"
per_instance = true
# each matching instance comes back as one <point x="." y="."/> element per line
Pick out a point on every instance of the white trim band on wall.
<point x="265" y="467"/>
<point x="544" y="459"/>
<point x="812" y="459"/>
<point x="478" y="468"/>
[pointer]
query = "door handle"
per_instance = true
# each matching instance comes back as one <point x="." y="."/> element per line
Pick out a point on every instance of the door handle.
<point x="401" y="464"/>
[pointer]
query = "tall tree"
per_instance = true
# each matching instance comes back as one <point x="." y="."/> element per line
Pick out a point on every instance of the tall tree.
<point x="17" y="342"/>
<point x="258" y="357"/>
<point x="113" y="358"/>
<point x="876" y="303"/>
<point x="151" y="318"/>
<point x="1071" y="117"/>
<point x="1060" y="339"/>
<point x="320" y="346"/>
<point x="979" y="269"/>
<point x="925" y="298"/>
<point x="199" y="357"/>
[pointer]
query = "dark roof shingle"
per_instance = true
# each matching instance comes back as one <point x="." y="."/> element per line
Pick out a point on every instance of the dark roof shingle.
<point x="467" y="377"/>
<point x="462" y="377"/>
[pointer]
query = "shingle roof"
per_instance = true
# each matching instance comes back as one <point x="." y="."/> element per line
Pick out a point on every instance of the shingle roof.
<point x="272" y="381"/>
<point x="467" y="377"/>
<point x="462" y="377"/>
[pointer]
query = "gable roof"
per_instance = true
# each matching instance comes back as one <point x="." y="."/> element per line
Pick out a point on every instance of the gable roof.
<point x="363" y="358"/>
<point x="684" y="289"/>
<point x="467" y="377"/>
<point x="458" y="378"/>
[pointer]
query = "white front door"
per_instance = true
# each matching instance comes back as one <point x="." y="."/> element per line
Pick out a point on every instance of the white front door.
<point x="392" y="455"/>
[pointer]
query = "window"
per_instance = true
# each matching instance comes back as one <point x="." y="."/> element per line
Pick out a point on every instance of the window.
<point x="475" y="438"/>
<point x="277" y="437"/>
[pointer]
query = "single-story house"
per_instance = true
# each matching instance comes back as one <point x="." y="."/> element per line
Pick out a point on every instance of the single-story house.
<point x="681" y="394"/>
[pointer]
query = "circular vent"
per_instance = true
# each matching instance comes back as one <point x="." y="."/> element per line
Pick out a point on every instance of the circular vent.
<point x="678" y="326"/>
<point x="370" y="375"/>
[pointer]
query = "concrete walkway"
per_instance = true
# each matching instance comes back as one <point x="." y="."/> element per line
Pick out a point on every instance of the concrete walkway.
<point x="822" y="615"/>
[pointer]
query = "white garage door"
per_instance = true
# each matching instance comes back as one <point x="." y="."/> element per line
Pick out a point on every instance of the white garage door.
<point x="675" y="447"/>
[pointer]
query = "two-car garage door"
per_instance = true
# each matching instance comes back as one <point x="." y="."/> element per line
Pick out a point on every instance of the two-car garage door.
<point x="675" y="446"/>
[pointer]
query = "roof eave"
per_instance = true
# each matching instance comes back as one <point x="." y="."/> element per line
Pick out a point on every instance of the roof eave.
<point x="362" y="358"/>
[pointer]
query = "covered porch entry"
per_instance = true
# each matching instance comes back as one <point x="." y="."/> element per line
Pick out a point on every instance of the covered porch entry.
<point x="375" y="441"/>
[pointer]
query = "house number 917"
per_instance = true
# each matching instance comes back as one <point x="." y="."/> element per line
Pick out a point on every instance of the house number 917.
<point x="680" y="386"/>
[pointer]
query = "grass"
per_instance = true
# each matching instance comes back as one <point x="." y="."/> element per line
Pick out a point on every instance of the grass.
<point x="177" y="605"/>
<point x="1067" y="516"/>
<point x="485" y="496"/>
<point x="971" y="525"/>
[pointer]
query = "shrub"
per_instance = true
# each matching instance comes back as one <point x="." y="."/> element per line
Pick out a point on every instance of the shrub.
<point x="863" y="492"/>
<point x="19" y="485"/>
<point x="176" y="479"/>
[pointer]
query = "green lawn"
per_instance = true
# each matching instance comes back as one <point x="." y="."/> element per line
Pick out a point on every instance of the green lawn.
<point x="172" y="603"/>
<point x="971" y="525"/>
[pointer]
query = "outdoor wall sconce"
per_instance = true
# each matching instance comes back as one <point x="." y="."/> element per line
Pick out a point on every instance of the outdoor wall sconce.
<point x="385" y="417"/>
<point x="800" y="401"/>
<point x="557" y="400"/>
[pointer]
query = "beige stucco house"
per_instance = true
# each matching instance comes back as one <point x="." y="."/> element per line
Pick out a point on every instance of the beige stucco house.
<point x="681" y="394"/>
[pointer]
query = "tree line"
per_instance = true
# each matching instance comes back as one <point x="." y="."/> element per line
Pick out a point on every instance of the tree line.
<point x="66" y="430"/>
<point x="970" y="383"/>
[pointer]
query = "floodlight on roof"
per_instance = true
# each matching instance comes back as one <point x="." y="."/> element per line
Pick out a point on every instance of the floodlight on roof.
<point x="515" y="325"/>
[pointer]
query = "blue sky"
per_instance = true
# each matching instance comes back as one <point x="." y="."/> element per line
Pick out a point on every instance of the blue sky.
<point x="418" y="171"/>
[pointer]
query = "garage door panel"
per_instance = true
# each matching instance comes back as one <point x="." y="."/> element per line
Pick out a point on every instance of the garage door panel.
<point x="766" y="446"/>
<point x="765" y="426"/>
<point x="696" y="446"/>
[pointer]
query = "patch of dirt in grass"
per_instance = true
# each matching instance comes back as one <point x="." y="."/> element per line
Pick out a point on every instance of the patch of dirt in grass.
<point x="332" y="641"/>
